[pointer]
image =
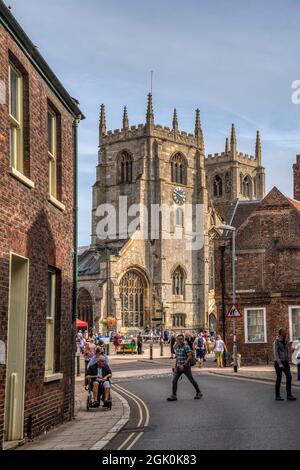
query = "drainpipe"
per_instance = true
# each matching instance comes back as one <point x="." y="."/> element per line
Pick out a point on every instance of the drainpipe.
<point x="223" y="284"/>
<point x="75" y="212"/>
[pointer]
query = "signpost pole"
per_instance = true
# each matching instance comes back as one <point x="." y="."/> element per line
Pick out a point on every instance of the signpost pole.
<point x="235" y="363"/>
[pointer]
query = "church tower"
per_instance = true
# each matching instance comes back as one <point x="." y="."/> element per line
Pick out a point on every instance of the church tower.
<point x="234" y="175"/>
<point x="157" y="269"/>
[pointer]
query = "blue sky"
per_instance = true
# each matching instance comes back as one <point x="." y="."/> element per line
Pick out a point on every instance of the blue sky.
<point x="234" y="59"/>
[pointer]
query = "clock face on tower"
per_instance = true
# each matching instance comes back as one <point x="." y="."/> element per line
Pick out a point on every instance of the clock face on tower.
<point x="179" y="196"/>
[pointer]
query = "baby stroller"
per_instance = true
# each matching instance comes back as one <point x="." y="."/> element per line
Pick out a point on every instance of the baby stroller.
<point x="90" y="398"/>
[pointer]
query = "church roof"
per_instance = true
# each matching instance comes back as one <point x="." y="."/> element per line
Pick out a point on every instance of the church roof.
<point x="88" y="263"/>
<point x="240" y="211"/>
<point x="89" y="258"/>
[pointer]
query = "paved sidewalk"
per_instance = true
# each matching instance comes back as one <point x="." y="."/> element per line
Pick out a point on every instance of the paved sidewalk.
<point x="89" y="430"/>
<point x="265" y="373"/>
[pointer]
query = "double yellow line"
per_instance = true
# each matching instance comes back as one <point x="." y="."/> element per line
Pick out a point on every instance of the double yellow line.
<point x="143" y="414"/>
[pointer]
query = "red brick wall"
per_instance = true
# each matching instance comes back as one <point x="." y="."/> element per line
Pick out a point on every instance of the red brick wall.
<point x="31" y="226"/>
<point x="296" y="168"/>
<point x="268" y="262"/>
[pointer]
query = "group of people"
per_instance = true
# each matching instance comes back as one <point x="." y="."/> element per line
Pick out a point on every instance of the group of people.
<point x="98" y="371"/>
<point x="182" y="348"/>
<point x="203" y="343"/>
<point x="85" y="339"/>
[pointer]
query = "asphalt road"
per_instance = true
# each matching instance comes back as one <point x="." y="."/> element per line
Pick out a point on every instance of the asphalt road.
<point x="233" y="414"/>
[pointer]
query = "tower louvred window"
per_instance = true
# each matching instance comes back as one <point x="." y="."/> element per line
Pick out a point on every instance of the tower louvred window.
<point x="247" y="187"/>
<point x="178" y="169"/>
<point x="178" y="281"/>
<point x="125" y="167"/>
<point x="218" y="186"/>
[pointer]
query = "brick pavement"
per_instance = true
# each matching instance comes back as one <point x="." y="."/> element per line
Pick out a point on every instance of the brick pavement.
<point x="88" y="430"/>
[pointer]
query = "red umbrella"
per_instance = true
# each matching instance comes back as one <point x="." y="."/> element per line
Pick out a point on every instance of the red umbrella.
<point x="81" y="324"/>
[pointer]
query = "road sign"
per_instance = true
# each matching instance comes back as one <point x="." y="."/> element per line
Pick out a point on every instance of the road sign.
<point x="233" y="312"/>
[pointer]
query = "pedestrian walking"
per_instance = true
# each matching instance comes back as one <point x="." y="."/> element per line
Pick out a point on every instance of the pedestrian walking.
<point x="139" y="340"/>
<point x="296" y="356"/>
<point x="172" y="344"/>
<point x="281" y="364"/>
<point x="183" y="354"/>
<point x="89" y="350"/>
<point x="199" y="346"/>
<point x="117" y="342"/>
<point x="220" y="348"/>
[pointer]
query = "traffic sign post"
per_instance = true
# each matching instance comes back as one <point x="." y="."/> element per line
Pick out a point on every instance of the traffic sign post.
<point x="233" y="312"/>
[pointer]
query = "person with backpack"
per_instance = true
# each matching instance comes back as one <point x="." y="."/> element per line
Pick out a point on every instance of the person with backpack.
<point x="200" y="348"/>
<point x="184" y="356"/>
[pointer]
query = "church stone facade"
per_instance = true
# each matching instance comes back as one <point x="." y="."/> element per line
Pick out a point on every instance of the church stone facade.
<point x="155" y="274"/>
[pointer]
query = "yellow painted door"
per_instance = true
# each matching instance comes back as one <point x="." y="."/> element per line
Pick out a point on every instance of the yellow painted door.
<point x="16" y="348"/>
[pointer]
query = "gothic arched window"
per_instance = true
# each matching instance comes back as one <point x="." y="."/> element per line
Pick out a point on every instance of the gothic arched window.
<point x="247" y="187"/>
<point x="132" y="293"/>
<point x="178" y="281"/>
<point x="125" y="167"/>
<point x="218" y="186"/>
<point x="178" y="169"/>
<point x="179" y="217"/>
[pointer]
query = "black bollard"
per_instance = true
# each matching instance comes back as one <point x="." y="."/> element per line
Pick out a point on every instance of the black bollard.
<point x="78" y="363"/>
<point x="151" y="351"/>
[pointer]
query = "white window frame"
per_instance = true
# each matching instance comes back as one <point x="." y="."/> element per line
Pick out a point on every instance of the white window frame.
<point x="248" y="309"/>
<point x="52" y="153"/>
<point x="291" y="307"/>
<point x="50" y="326"/>
<point x="17" y="123"/>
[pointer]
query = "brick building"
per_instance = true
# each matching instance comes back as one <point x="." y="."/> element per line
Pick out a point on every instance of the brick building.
<point x="267" y="272"/>
<point x="38" y="154"/>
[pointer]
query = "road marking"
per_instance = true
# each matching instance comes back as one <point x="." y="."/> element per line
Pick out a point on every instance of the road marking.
<point x="125" y="442"/>
<point x="134" y="437"/>
<point x="137" y="403"/>
<point x="135" y="440"/>
<point x="130" y="394"/>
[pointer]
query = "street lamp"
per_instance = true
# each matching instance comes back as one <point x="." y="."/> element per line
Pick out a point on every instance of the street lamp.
<point x="233" y="230"/>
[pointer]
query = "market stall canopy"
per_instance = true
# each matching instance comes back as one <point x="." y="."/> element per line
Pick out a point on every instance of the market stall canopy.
<point x="81" y="324"/>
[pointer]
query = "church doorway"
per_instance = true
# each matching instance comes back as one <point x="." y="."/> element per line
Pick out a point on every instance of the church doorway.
<point x="134" y="300"/>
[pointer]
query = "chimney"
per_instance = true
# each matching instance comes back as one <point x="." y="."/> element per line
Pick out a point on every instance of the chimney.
<point x="296" y="168"/>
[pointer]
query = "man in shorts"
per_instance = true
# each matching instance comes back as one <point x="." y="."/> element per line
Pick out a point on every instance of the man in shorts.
<point x="200" y="348"/>
<point x="100" y="374"/>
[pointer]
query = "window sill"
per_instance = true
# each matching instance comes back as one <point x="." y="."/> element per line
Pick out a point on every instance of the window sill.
<point x="19" y="176"/>
<point x="255" y="342"/>
<point x="53" y="377"/>
<point x="56" y="203"/>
